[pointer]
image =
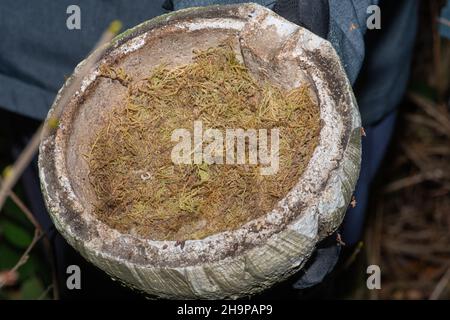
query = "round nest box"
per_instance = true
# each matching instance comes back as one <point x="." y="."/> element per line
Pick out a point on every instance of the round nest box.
<point x="258" y="254"/>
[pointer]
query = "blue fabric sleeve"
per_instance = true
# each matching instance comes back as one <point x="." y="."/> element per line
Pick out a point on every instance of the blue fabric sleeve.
<point x="37" y="50"/>
<point x="347" y="28"/>
<point x="444" y="21"/>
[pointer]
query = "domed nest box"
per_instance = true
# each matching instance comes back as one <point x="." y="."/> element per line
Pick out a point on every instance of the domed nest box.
<point x="257" y="254"/>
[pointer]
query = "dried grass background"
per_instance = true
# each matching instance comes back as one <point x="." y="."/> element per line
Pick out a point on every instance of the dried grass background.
<point x="408" y="232"/>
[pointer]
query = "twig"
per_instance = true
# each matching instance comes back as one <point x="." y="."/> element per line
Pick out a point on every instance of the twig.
<point x="353" y="256"/>
<point x="24" y="209"/>
<point x="405" y="182"/>
<point x="427" y="121"/>
<point x="441" y="285"/>
<point x="47" y="243"/>
<point x="8" y="278"/>
<point x="415" y="249"/>
<point x="23" y="259"/>
<point x="430" y="108"/>
<point x="43" y="294"/>
<point x="19" y="166"/>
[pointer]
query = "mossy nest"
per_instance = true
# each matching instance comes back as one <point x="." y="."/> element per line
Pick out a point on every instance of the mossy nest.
<point x="141" y="191"/>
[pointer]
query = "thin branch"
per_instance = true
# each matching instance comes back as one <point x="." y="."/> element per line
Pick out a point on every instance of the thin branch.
<point x="430" y="108"/>
<point x="405" y="182"/>
<point x="353" y="256"/>
<point x="46" y="291"/>
<point x="24" y="209"/>
<point x="440" y="287"/>
<point x="47" y="244"/>
<point x="24" y="258"/>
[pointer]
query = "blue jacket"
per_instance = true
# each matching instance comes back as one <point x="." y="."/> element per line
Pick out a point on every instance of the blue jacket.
<point x="37" y="51"/>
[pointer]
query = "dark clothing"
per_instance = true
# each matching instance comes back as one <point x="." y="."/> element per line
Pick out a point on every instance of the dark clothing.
<point x="388" y="54"/>
<point x="38" y="51"/>
<point x="374" y="146"/>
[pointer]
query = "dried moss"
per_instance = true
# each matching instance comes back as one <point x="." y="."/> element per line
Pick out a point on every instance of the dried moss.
<point x="140" y="191"/>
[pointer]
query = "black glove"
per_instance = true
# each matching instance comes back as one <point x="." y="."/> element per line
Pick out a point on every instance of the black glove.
<point x="320" y="264"/>
<point x="313" y="15"/>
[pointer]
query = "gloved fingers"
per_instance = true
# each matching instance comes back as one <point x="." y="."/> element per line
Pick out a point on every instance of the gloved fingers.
<point x="320" y="264"/>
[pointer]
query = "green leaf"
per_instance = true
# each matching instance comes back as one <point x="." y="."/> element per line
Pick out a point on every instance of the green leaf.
<point x="30" y="268"/>
<point x="12" y="211"/>
<point x="8" y="256"/>
<point x="16" y="235"/>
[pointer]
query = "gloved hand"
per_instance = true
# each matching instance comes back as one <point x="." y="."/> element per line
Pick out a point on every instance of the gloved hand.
<point x="321" y="263"/>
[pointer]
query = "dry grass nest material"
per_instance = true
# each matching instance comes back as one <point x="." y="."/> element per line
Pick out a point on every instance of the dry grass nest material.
<point x="141" y="191"/>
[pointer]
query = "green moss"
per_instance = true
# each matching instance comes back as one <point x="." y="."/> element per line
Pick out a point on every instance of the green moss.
<point x="140" y="190"/>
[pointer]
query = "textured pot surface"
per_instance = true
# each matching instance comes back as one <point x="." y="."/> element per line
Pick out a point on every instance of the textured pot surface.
<point x="262" y="252"/>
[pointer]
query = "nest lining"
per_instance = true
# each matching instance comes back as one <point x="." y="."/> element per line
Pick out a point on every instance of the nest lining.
<point x="138" y="188"/>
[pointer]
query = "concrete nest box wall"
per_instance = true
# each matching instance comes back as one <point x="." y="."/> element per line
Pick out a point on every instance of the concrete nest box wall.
<point x="260" y="253"/>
